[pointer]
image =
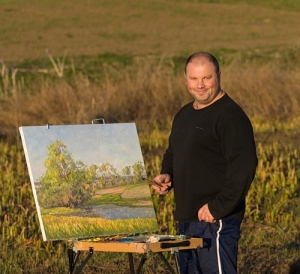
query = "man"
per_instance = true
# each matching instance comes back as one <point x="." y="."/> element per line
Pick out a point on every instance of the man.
<point x="210" y="163"/>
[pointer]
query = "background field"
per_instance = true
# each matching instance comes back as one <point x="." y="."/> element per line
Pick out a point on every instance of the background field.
<point x="123" y="61"/>
<point x="134" y="27"/>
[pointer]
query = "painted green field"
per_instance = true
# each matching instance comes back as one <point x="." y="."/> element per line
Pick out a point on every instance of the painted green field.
<point x="68" y="62"/>
<point x="67" y="223"/>
<point x="79" y="227"/>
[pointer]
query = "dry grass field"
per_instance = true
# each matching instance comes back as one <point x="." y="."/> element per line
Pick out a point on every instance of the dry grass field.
<point x="123" y="60"/>
<point x="134" y="27"/>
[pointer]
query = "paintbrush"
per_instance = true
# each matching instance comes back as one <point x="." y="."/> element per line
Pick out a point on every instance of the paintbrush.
<point x="152" y="182"/>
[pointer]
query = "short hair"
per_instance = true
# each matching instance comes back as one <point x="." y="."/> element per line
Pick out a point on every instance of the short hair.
<point x="201" y="57"/>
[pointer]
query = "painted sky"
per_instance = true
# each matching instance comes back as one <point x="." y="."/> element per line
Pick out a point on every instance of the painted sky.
<point x="117" y="144"/>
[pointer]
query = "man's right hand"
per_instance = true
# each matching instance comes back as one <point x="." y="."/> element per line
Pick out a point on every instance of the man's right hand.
<point x="164" y="180"/>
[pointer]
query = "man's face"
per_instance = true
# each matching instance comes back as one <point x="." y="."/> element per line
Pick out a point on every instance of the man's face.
<point x="203" y="83"/>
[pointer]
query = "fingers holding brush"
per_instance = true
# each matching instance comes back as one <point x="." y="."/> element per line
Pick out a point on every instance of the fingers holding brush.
<point x="161" y="183"/>
<point x="154" y="184"/>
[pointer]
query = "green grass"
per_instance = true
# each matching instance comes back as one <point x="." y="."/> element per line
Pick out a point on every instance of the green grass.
<point x="138" y="28"/>
<point x="115" y="199"/>
<point x="261" y="234"/>
<point x="278" y="4"/>
<point x="67" y="227"/>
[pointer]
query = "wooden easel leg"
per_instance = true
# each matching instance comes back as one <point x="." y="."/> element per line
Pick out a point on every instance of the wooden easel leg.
<point x="166" y="263"/>
<point x="72" y="259"/>
<point x="131" y="265"/>
<point x="176" y="256"/>
<point x="142" y="261"/>
<point x="91" y="252"/>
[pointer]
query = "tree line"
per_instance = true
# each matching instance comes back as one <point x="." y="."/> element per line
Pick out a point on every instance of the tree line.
<point x="70" y="183"/>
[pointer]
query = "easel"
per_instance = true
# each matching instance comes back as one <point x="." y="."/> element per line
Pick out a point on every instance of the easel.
<point x="131" y="143"/>
<point x="132" y="247"/>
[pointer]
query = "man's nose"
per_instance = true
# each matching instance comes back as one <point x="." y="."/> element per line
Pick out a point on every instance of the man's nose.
<point x="200" y="83"/>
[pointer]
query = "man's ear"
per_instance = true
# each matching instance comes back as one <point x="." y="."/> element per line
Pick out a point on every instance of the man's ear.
<point x="184" y="75"/>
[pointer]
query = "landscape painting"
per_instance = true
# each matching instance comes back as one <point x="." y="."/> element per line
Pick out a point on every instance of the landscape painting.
<point x="88" y="180"/>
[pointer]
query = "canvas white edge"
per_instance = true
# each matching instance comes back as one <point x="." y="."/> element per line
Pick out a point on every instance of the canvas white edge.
<point x="32" y="184"/>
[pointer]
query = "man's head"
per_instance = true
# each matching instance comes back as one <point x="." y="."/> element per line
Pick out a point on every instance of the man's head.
<point x="202" y="77"/>
<point x="200" y="57"/>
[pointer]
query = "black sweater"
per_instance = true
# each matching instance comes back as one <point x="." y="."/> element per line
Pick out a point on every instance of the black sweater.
<point x="211" y="159"/>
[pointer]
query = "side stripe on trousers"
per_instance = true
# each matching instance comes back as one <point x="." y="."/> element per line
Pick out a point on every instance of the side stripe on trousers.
<point x="218" y="247"/>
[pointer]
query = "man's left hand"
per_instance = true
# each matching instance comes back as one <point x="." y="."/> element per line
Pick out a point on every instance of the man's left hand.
<point x="204" y="214"/>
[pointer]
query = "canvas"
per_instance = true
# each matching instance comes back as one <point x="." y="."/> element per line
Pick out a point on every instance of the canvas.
<point x="87" y="180"/>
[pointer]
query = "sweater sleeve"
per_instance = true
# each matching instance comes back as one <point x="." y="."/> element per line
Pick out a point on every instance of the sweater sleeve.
<point x="167" y="163"/>
<point x="239" y="149"/>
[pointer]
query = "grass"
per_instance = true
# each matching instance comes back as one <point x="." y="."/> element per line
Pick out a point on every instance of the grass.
<point x="127" y="66"/>
<point x="279" y="4"/>
<point x="135" y="28"/>
<point x="63" y="227"/>
<point x="258" y="228"/>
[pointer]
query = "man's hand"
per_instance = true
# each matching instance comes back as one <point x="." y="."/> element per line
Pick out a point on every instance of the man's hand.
<point x="204" y="214"/>
<point x="165" y="184"/>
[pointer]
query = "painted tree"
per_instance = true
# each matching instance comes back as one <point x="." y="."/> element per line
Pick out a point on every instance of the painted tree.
<point x="66" y="182"/>
<point x="138" y="172"/>
<point x="108" y="175"/>
<point x="126" y="172"/>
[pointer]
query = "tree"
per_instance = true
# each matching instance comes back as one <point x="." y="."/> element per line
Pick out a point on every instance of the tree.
<point x="108" y="175"/>
<point x="66" y="182"/>
<point x="138" y="172"/>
